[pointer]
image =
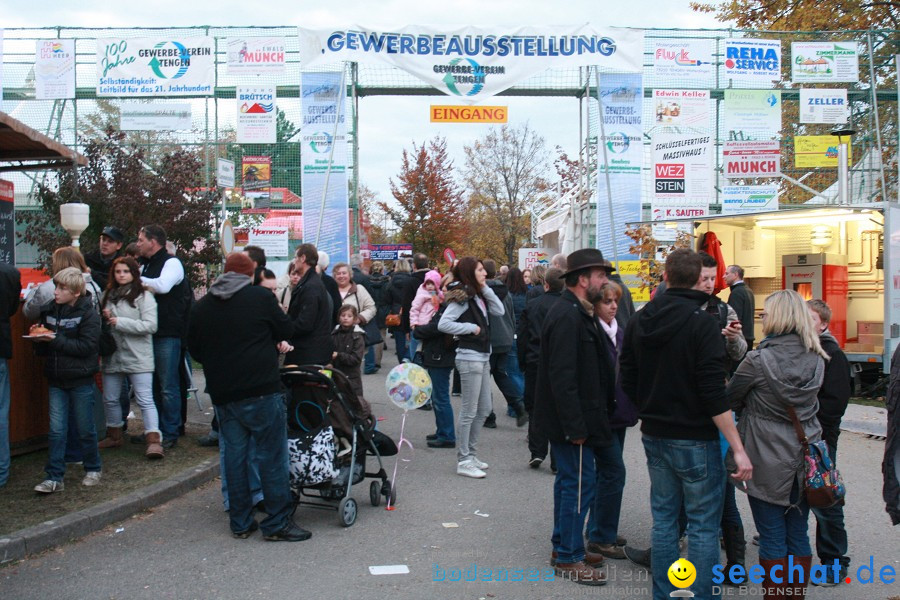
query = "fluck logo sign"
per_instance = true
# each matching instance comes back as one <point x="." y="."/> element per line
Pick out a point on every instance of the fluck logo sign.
<point x="155" y="67"/>
<point x="475" y="63"/>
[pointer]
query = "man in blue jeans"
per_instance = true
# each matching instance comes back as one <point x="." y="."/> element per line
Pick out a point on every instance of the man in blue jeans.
<point x="10" y="288"/>
<point x="163" y="274"/>
<point x="242" y="376"/>
<point x="672" y="368"/>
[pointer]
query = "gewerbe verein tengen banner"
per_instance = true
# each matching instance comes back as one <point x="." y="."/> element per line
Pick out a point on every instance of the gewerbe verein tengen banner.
<point x="476" y="63"/>
<point x="155" y="66"/>
<point x="325" y="211"/>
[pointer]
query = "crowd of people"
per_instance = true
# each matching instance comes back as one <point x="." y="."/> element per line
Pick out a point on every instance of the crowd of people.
<point x="572" y="358"/>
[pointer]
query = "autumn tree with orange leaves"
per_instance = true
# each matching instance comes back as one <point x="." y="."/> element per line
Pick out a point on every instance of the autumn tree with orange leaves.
<point x="431" y="213"/>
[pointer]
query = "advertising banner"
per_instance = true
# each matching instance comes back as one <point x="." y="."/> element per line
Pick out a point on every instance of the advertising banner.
<point x="622" y="101"/>
<point x="752" y="114"/>
<point x="224" y="172"/>
<point x="254" y="56"/>
<point x="143" y="116"/>
<point x="630" y="270"/>
<point x="54" y="69"/>
<point x="824" y="62"/>
<point x="475" y="63"/>
<point x="824" y="106"/>
<point x="390" y="251"/>
<point x="7" y="223"/>
<point x="531" y="257"/>
<point x="468" y="114"/>
<point x="752" y="61"/>
<point x="255" y="114"/>
<point x="273" y="240"/>
<point x="155" y="67"/>
<point x="683" y="59"/>
<point x="256" y="174"/>
<point x="325" y="211"/>
<point x="682" y="175"/>
<point x="687" y="108"/>
<point x="1" y="70"/>
<point x="751" y="159"/>
<point x="818" y="151"/>
<point x="745" y="199"/>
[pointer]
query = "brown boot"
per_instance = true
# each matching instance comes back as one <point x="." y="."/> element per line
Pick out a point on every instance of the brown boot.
<point x="592" y="559"/>
<point x="799" y="589"/>
<point x="113" y="438"/>
<point x="154" y="449"/>
<point x="580" y="573"/>
<point x="770" y="588"/>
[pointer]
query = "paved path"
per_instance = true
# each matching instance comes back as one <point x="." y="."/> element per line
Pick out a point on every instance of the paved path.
<point x="183" y="550"/>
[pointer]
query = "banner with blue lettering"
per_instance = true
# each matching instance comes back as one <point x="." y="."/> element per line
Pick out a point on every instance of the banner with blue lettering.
<point x="622" y="98"/>
<point x="325" y="211"/>
<point x="474" y="63"/>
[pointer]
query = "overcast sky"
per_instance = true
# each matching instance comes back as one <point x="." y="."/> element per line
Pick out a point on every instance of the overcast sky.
<point x="389" y="124"/>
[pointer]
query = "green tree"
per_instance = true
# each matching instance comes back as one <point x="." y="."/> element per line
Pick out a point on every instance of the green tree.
<point x="804" y="15"/>
<point x="431" y="213"/>
<point x="123" y="189"/>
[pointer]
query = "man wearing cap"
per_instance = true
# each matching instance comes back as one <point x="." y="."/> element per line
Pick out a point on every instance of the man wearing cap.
<point x="575" y="396"/>
<point x="241" y="366"/>
<point x="101" y="259"/>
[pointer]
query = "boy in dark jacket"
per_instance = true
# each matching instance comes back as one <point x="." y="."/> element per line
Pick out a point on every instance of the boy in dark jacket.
<point x="350" y="346"/>
<point x="438" y="358"/>
<point x="72" y="351"/>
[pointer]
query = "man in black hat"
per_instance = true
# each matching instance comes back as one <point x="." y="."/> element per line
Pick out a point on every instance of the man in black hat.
<point x="575" y="396"/>
<point x="100" y="260"/>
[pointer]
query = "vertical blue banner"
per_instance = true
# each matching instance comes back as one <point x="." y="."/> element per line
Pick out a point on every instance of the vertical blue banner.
<point x="622" y="97"/>
<point x="326" y="221"/>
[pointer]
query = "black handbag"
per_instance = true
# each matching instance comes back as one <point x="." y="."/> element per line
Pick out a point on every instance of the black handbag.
<point x="373" y="334"/>
<point x="108" y="344"/>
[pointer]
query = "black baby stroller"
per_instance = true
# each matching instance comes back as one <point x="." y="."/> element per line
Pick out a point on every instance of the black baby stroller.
<point x="331" y="431"/>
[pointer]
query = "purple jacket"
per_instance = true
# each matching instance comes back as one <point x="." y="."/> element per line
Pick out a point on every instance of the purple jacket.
<point x="626" y="413"/>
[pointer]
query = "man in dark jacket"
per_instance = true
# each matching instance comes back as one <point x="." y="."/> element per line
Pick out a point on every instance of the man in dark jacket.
<point x="890" y="491"/>
<point x="502" y="337"/>
<point x="529" y="349"/>
<point x="330" y="285"/>
<point x="310" y="310"/>
<point x="575" y="396"/>
<point x="240" y="361"/>
<point x="672" y="368"/>
<point x="101" y="259"/>
<point x="439" y="358"/>
<point x="163" y="274"/>
<point x="10" y="288"/>
<point x="742" y="301"/>
<point x="834" y="395"/>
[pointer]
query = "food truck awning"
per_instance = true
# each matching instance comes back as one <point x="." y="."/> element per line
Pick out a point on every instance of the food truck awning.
<point x="24" y="149"/>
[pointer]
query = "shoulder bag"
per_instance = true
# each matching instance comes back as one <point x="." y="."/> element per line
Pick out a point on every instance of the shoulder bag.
<point x="822" y="482"/>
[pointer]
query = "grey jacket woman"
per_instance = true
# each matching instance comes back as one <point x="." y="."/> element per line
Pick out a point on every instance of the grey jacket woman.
<point x="779" y="373"/>
<point x="133" y="332"/>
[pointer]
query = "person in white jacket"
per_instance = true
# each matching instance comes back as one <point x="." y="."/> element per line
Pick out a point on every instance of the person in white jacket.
<point x="130" y="311"/>
<point x="355" y="295"/>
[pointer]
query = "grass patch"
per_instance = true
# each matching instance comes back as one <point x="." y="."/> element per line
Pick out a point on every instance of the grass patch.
<point x="125" y="470"/>
<point x="878" y="402"/>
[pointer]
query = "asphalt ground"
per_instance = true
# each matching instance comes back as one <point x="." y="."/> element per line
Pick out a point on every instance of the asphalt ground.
<point x="183" y="549"/>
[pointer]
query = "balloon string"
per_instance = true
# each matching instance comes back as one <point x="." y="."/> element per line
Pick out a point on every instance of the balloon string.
<point x="400" y="444"/>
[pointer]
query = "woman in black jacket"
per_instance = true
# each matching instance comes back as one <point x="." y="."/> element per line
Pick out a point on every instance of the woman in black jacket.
<point x="438" y="357"/>
<point x="399" y="278"/>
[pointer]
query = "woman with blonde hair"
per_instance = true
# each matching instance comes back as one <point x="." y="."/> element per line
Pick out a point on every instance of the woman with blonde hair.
<point x="774" y="385"/>
<point x="63" y="258"/>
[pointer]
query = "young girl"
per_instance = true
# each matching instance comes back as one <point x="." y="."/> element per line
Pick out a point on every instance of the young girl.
<point x="131" y="312"/>
<point x="427" y="301"/>
<point x="350" y="346"/>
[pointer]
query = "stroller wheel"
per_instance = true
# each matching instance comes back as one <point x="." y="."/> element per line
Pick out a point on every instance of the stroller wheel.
<point x="375" y="493"/>
<point x="393" y="495"/>
<point x="347" y="512"/>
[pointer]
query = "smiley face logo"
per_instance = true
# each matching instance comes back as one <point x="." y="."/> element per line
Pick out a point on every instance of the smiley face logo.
<point x="682" y="573"/>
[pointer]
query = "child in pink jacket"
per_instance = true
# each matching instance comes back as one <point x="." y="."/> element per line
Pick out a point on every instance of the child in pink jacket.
<point x="427" y="301"/>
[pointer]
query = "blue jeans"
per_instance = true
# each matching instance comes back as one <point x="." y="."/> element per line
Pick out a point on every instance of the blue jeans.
<point x="262" y="419"/>
<point x="782" y="529"/>
<point x="167" y="384"/>
<point x="256" y="493"/>
<point x="440" y="400"/>
<point x="510" y="388"/>
<point x="370" y="359"/>
<point x="568" y="516"/>
<point x="4" y="422"/>
<point x="730" y="513"/>
<point x="831" y="535"/>
<point x="603" y="523"/>
<point x="81" y="398"/>
<point x="688" y="473"/>
<point x="513" y="369"/>
<point x="400" y="344"/>
<point x="412" y="346"/>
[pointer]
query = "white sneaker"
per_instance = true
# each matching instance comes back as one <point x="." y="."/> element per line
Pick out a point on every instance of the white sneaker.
<point x="91" y="478"/>
<point x="467" y="468"/>
<point x="481" y="465"/>
<point x="48" y="486"/>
